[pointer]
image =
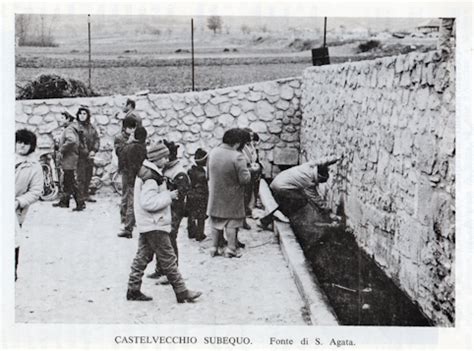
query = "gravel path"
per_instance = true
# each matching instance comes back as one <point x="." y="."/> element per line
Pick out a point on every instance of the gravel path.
<point x="74" y="269"/>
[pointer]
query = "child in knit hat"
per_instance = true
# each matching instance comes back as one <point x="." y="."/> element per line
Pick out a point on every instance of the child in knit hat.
<point x="152" y="204"/>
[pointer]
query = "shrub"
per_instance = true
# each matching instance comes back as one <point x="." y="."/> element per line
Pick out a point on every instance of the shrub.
<point x="49" y="86"/>
<point x="368" y="46"/>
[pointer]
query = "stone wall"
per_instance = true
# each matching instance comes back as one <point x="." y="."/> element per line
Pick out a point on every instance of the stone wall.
<point x="193" y="120"/>
<point x="394" y="121"/>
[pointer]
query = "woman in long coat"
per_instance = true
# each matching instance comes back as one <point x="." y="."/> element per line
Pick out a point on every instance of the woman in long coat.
<point x="228" y="175"/>
<point x="28" y="182"/>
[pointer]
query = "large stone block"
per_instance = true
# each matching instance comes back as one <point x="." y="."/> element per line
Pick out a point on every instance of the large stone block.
<point x="197" y="111"/>
<point x="254" y="96"/>
<point x="219" y="99"/>
<point x="211" y="110"/>
<point x="189" y="120"/>
<point x="235" y="111"/>
<point x="258" y="127"/>
<point x="226" y="120"/>
<point x="41" y="110"/>
<point x="208" y="125"/>
<point x="286" y="92"/>
<point x="203" y="98"/>
<point x="243" y="121"/>
<point x="264" y="111"/>
<point x="36" y="120"/>
<point x="225" y="106"/>
<point x="48" y="127"/>
<point x="163" y="104"/>
<point x="247" y="106"/>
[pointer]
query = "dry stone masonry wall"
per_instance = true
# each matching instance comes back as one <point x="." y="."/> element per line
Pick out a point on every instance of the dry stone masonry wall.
<point x="394" y="121"/>
<point x="197" y="119"/>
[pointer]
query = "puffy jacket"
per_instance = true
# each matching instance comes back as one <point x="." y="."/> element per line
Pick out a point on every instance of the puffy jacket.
<point x="28" y="187"/>
<point x="152" y="200"/>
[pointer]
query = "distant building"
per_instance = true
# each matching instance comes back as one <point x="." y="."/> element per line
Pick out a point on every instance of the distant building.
<point x="429" y="26"/>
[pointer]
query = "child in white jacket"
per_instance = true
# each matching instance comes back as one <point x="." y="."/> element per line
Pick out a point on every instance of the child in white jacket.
<point x="152" y="202"/>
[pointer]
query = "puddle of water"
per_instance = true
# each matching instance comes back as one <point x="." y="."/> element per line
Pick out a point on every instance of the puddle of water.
<point x="358" y="290"/>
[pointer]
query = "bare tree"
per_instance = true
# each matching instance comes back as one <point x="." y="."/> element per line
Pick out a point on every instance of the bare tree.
<point x="214" y="23"/>
<point x="22" y="26"/>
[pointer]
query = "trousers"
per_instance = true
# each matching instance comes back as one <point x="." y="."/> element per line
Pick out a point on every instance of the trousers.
<point x="156" y="243"/>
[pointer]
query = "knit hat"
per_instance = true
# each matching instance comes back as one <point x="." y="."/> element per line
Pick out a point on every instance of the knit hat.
<point x="157" y="151"/>
<point x="200" y="157"/>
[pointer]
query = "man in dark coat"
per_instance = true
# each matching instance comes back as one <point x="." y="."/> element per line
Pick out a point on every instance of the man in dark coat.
<point x="228" y="174"/>
<point x="133" y="155"/>
<point x="85" y="164"/>
<point x="129" y="124"/>
<point x="69" y="145"/>
<point x="196" y="203"/>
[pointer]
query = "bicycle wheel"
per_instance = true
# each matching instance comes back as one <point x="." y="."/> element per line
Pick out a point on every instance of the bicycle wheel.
<point x="95" y="184"/>
<point x="50" y="188"/>
<point x="117" y="182"/>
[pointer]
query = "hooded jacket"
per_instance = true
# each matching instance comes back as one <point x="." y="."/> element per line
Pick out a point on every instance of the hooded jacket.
<point x="69" y="146"/>
<point x="152" y="200"/>
<point x="91" y="137"/>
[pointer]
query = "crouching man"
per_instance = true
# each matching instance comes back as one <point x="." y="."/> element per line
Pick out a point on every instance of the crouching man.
<point x="152" y="208"/>
<point x="295" y="187"/>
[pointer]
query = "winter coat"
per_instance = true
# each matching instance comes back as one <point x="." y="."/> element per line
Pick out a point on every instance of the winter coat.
<point x="91" y="138"/>
<point x="227" y="173"/>
<point x="28" y="186"/>
<point x="151" y="200"/>
<point x="69" y="146"/>
<point x="119" y="143"/>
<point x="177" y="179"/>
<point x="135" y="116"/>
<point x="133" y="155"/>
<point x="198" y="195"/>
<point x="302" y="178"/>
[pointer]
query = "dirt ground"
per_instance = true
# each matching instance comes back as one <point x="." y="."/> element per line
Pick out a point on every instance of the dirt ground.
<point x="74" y="269"/>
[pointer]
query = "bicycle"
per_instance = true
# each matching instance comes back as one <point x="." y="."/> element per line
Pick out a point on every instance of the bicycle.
<point x="52" y="175"/>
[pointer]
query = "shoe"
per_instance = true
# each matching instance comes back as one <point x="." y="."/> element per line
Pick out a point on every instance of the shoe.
<point x="240" y="244"/>
<point x="214" y="252"/>
<point x="231" y="253"/>
<point x="246" y="225"/>
<point x="187" y="296"/>
<point x="61" y="204"/>
<point x="154" y="275"/>
<point x="262" y="226"/>
<point x="125" y="234"/>
<point x="137" y="295"/>
<point x="162" y="280"/>
<point x="89" y="199"/>
<point x="201" y="238"/>
<point x="79" y="208"/>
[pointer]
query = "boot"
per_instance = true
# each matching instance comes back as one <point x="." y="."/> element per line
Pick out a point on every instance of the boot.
<point x="154" y="275"/>
<point x="240" y="244"/>
<point x="80" y="207"/>
<point x="137" y="295"/>
<point x="125" y="233"/>
<point x="201" y="237"/>
<point x="188" y="296"/>
<point x="231" y="253"/>
<point x="61" y="204"/>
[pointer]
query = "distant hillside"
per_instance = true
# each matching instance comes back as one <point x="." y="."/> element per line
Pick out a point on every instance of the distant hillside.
<point x="74" y="27"/>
